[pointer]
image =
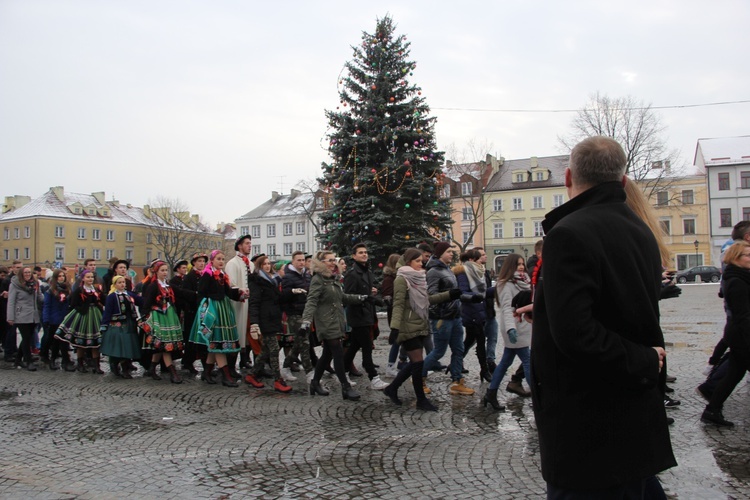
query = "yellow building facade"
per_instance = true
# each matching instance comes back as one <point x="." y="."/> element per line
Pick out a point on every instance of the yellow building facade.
<point x="64" y="229"/>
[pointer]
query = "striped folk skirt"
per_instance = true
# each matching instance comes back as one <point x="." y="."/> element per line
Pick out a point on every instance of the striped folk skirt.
<point x="165" y="333"/>
<point x="81" y="330"/>
<point x="215" y="326"/>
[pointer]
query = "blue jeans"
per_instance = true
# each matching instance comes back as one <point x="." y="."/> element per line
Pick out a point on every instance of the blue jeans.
<point x="447" y="332"/>
<point x="524" y="353"/>
<point x="490" y="333"/>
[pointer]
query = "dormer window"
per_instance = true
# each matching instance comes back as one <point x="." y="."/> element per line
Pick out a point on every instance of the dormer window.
<point x="540" y="174"/>
<point x="520" y="176"/>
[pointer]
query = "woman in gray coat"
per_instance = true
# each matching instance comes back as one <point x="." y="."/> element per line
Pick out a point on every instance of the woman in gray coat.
<point x="325" y="309"/>
<point x="24" y="312"/>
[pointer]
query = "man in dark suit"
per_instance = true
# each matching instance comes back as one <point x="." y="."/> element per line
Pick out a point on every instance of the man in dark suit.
<point x="597" y="347"/>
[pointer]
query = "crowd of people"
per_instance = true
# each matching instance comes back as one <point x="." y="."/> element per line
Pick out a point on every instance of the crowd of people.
<point x="269" y="319"/>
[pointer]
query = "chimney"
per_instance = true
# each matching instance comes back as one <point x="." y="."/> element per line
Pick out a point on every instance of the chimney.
<point x="274" y="196"/>
<point x="534" y="161"/>
<point x="294" y="194"/>
<point x="99" y="196"/>
<point x="146" y="210"/>
<point x="59" y="192"/>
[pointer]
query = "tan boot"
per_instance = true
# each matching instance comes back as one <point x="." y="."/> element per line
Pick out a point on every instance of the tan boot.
<point x="425" y="388"/>
<point x="517" y="388"/>
<point x="458" y="388"/>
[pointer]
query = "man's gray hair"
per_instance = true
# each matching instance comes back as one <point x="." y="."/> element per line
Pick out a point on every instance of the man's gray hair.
<point x="596" y="160"/>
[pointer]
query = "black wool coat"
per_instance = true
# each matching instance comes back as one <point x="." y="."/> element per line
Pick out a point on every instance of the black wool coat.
<point x="597" y="403"/>
<point x="359" y="280"/>
<point x="265" y="305"/>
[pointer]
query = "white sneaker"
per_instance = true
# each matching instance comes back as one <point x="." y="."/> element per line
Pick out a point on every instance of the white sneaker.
<point x="391" y="370"/>
<point x="377" y="384"/>
<point x="286" y="374"/>
<point x="350" y="381"/>
<point x="310" y="376"/>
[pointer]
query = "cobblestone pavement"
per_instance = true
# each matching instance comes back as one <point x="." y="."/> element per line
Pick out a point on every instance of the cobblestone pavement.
<point x="71" y="435"/>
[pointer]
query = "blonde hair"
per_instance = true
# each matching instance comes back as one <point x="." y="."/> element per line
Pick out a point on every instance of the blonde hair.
<point x="115" y="280"/>
<point x="734" y="252"/>
<point x="638" y="203"/>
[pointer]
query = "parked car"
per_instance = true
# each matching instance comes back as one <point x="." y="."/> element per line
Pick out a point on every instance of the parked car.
<point x="707" y="273"/>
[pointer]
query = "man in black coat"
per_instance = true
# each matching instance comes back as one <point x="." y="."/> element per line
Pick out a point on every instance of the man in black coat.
<point x="294" y="287"/>
<point x="597" y="347"/>
<point x="361" y="318"/>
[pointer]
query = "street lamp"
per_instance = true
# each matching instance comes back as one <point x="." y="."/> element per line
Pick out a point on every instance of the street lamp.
<point x="696" y="251"/>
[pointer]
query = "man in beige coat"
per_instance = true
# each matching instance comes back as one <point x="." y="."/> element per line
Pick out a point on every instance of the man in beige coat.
<point x="238" y="268"/>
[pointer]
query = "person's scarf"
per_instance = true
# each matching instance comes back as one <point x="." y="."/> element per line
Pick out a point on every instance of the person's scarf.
<point x="30" y="286"/>
<point x="266" y="277"/>
<point x="475" y="274"/>
<point x="244" y="259"/>
<point x="62" y="290"/>
<point x="416" y="283"/>
<point x="521" y="279"/>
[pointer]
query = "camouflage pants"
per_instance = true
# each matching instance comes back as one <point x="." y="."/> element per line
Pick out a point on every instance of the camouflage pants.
<point x="301" y="345"/>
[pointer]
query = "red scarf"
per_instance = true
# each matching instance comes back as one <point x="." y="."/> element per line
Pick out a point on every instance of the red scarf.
<point x="245" y="260"/>
<point x="221" y="277"/>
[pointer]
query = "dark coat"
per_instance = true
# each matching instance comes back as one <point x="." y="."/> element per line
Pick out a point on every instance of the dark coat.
<point x="55" y="308"/>
<point x="81" y="300"/>
<point x="265" y="305"/>
<point x="440" y="278"/>
<point x="598" y="409"/>
<point x="294" y="304"/>
<point x="472" y="313"/>
<point x="489" y="300"/>
<point x="360" y="281"/>
<point x="736" y="284"/>
<point x="190" y="307"/>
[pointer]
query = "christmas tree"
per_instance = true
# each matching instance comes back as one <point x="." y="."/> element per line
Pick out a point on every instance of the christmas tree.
<point x="384" y="181"/>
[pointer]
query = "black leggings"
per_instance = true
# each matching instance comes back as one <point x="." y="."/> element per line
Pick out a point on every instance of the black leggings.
<point x="27" y="338"/>
<point x="332" y="349"/>
<point x="739" y="363"/>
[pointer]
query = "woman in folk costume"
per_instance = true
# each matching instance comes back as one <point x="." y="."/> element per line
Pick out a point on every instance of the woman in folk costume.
<point x="162" y="325"/>
<point x="215" y="326"/>
<point x="238" y="268"/>
<point x="119" y="328"/>
<point x="80" y="328"/>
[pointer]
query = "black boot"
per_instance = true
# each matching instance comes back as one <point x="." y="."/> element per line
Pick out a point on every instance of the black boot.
<point x="245" y="363"/>
<point x="95" y="368"/>
<point x="114" y="368"/>
<point x="82" y="365"/>
<point x="66" y="364"/>
<point x="124" y="371"/>
<point x="151" y="372"/>
<point x="348" y="393"/>
<point x="423" y="403"/>
<point x="392" y="390"/>
<point x="173" y="375"/>
<point x="715" y="417"/>
<point x="232" y="365"/>
<point x="490" y="397"/>
<point x="206" y="374"/>
<point x="226" y="377"/>
<point x="316" y="388"/>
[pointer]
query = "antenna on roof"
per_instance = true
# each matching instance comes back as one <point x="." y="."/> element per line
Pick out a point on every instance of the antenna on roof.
<point x="281" y="183"/>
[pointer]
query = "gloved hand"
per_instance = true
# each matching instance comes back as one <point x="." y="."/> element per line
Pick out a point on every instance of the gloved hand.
<point x="455" y="293"/>
<point x="471" y="297"/>
<point x="670" y="292"/>
<point x="362" y="298"/>
<point x="255" y="332"/>
<point x="477" y="298"/>
<point x="304" y="329"/>
<point x="513" y="335"/>
<point x="393" y="336"/>
<point x="298" y="291"/>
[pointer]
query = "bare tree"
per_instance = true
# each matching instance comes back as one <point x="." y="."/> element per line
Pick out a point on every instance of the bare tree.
<point x="314" y="201"/>
<point x="638" y="129"/>
<point x="467" y="170"/>
<point x="175" y="233"/>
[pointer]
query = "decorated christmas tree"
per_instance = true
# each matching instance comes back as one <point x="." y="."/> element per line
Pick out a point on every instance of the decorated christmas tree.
<point x="384" y="180"/>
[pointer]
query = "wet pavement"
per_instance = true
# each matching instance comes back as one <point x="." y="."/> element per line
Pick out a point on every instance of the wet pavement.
<point x="71" y="435"/>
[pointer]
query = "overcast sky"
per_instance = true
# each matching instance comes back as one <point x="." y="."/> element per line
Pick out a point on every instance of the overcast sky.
<point x="220" y="102"/>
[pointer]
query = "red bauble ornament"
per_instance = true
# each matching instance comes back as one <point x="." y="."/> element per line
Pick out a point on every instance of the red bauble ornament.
<point x="407" y="164"/>
<point x="374" y="87"/>
<point x="392" y="99"/>
<point x="373" y="170"/>
<point x="380" y="264"/>
<point x="408" y="173"/>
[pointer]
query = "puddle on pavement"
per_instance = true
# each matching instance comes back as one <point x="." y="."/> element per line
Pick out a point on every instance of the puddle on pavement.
<point x="6" y="395"/>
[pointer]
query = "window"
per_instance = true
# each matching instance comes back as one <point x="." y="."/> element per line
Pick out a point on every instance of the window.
<point x="59" y="232"/>
<point x="538" y="202"/>
<point x="128" y="235"/>
<point x="446" y="193"/>
<point x="81" y="233"/>
<point x="517" y="204"/>
<point x="110" y="253"/>
<point x="256" y="249"/>
<point x="466" y="188"/>
<point x="538" y="230"/>
<point x="301" y="246"/>
<point x="287" y="229"/>
<point x="81" y="253"/>
<point x="319" y="202"/>
<point x="60" y="252"/>
<point x="688" y="226"/>
<point x="497" y="205"/>
<point x="27" y="253"/>
<point x="497" y="229"/>
<point x="468" y="238"/>
<point x="96" y="234"/>
<point x="256" y="232"/>
<point x="27" y="232"/>
<point x="519" y="177"/>
<point x="662" y="199"/>
<point x="244" y="230"/>
<point x="149" y="256"/>
<point x="158" y="255"/>
<point x="745" y="213"/>
<point x="6" y="234"/>
<point x="16" y="255"/>
<point x="16" y="233"/>
<point x="467" y="214"/>
<point x="129" y="253"/>
<point x="271" y="250"/>
<point x="148" y="238"/>
<point x="725" y="217"/>
<point x="666" y="226"/>
<point x="300" y="228"/>
<point x="518" y="229"/>
<point x="6" y="254"/>
<point x="96" y="254"/>
<point x="540" y="176"/>
<point x="724" y="181"/>
<point x="687" y="197"/>
<point x="689" y="260"/>
<point x="745" y="179"/>
<point x="557" y="200"/>
<point x="110" y="235"/>
<point x="271" y="230"/>
<point x="288" y="248"/>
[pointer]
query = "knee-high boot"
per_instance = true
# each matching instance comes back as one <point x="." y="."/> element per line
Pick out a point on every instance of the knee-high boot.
<point x="232" y="365"/>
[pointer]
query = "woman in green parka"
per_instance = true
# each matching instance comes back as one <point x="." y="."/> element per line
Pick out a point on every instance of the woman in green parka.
<point x="325" y="309"/>
<point x="409" y="322"/>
